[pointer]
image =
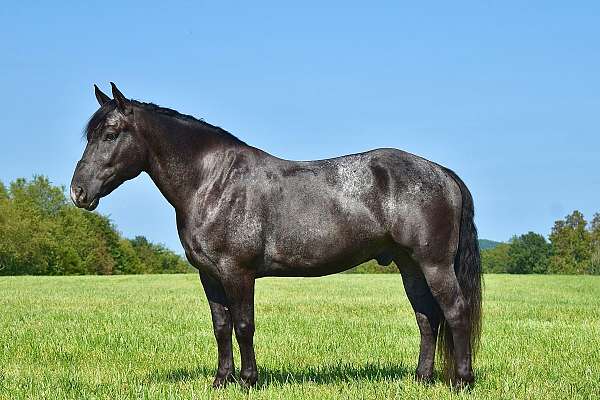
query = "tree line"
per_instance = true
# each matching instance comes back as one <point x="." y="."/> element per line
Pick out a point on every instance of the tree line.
<point x="573" y="248"/>
<point x="41" y="233"/>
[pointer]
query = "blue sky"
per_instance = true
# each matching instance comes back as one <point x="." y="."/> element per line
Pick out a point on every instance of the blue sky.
<point x="506" y="94"/>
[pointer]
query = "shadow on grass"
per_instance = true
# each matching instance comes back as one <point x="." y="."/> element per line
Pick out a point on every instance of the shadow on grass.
<point x="322" y="374"/>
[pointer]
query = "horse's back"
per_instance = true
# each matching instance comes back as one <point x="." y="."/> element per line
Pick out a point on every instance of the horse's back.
<point x="387" y="178"/>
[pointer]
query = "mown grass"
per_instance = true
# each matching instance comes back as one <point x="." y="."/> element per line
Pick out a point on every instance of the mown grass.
<point x="345" y="336"/>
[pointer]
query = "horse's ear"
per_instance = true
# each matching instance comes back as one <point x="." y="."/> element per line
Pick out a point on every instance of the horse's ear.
<point x="122" y="103"/>
<point x="100" y="96"/>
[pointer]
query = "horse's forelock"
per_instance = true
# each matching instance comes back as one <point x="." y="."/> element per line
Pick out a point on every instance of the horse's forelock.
<point x="98" y="118"/>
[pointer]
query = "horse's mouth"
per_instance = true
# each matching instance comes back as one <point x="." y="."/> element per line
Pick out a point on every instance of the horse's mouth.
<point x="105" y="189"/>
<point x="92" y="206"/>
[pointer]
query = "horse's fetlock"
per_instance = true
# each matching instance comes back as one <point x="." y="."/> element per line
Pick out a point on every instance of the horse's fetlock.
<point x="249" y="377"/>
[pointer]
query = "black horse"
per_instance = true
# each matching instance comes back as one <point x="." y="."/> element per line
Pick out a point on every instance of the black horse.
<point x="243" y="214"/>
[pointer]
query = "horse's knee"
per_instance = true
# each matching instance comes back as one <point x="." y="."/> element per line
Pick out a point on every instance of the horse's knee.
<point x="428" y="326"/>
<point x="222" y="330"/>
<point x="244" y="330"/>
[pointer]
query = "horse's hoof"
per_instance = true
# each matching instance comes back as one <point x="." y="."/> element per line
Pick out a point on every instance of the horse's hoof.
<point x="249" y="379"/>
<point x="222" y="380"/>
<point x="424" y="377"/>
<point x="463" y="382"/>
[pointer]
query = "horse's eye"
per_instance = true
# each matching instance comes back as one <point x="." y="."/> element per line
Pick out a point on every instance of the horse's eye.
<point x="111" y="136"/>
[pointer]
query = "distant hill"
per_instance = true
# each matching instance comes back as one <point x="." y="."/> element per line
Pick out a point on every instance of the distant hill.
<point x="485" y="244"/>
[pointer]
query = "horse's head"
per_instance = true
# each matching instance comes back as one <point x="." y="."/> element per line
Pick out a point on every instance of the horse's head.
<point x="115" y="151"/>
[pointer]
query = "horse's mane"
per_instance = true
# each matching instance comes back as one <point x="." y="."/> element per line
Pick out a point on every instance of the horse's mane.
<point x="106" y="108"/>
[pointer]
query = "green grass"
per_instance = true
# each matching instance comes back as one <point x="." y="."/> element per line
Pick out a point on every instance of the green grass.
<point x="345" y="336"/>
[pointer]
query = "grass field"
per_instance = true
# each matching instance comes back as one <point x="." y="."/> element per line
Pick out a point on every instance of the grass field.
<point x="345" y="336"/>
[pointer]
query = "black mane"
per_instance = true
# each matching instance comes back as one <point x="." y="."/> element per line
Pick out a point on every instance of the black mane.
<point x="103" y="111"/>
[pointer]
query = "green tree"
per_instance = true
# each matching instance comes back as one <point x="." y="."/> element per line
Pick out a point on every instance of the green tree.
<point x="595" y="228"/>
<point x="3" y="191"/>
<point x="41" y="233"/>
<point x="26" y="235"/>
<point x="39" y="194"/>
<point x="157" y="259"/>
<point x="128" y="260"/>
<point x="496" y="260"/>
<point x="571" y="245"/>
<point x="528" y="254"/>
<point x="594" y="265"/>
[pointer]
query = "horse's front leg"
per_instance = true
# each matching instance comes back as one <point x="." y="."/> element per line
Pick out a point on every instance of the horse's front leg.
<point x="222" y="325"/>
<point x="238" y="283"/>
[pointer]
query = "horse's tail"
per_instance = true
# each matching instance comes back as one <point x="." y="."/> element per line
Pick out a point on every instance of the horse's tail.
<point x="467" y="266"/>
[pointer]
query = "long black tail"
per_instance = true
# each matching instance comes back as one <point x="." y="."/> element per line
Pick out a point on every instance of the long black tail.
<point x="467" y="266"/>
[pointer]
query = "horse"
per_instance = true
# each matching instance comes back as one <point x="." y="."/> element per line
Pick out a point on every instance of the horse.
<point x="244" y="214"/>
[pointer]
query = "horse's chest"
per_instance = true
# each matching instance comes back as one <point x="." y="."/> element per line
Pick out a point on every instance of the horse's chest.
<point x="196" y="250"/>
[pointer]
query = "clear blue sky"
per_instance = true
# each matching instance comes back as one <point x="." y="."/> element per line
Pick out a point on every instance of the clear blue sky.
<point x="507" y="95"/>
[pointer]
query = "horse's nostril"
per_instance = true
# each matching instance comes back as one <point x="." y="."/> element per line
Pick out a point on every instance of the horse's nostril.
<point x="80" y="194"/>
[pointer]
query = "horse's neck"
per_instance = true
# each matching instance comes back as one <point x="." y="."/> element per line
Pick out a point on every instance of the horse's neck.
<point x="177" y="152"/>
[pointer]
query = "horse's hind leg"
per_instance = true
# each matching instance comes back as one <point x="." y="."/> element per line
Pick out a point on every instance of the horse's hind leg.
<point x="445" y="288"/>
<point x="427" y="313"/>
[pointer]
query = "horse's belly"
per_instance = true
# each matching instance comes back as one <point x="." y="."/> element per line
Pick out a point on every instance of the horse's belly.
<point x="285" y="270"/>
<point x="321" y="252"/>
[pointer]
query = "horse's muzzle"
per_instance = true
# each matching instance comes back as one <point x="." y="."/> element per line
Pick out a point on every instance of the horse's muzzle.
<point x="81" y="200"/>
